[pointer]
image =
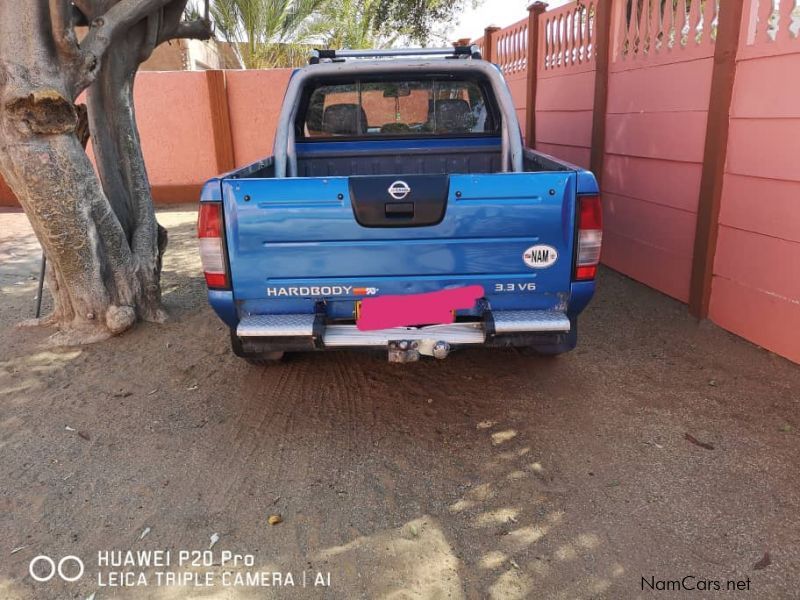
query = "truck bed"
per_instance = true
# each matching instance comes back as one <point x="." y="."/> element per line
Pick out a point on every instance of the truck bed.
<point x="342" y="159"/>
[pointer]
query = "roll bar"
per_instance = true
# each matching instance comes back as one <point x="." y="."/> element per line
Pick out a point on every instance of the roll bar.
<point x="318" y="56"/>
<point x="286" y="153"/>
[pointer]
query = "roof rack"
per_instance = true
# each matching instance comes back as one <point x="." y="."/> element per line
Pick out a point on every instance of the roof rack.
<point x="318" y="56"/>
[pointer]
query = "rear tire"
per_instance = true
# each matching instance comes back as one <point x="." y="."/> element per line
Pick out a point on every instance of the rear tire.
<point x="260" y="359"/>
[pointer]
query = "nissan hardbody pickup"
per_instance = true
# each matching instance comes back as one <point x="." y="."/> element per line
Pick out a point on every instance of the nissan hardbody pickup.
<point x="400" y="211"/>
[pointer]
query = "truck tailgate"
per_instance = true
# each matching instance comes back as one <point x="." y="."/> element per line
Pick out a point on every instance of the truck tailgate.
<point x="293" y="242"/>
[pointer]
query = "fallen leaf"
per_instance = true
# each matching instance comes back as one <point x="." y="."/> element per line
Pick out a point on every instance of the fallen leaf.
<point x="275" y="519"/>
<point x="514" y="563"/>
<point x="192" y="387"/>
<point x="68" y="428"/>
<point x="689" y="437"/>
<point x="763" y="563"/>
<point x="144" y="533"/>
<point x="786" y="428"/>
<point x="214" y="539"/>
<point x="84" y="435"/>
<point x="91" y="597"/>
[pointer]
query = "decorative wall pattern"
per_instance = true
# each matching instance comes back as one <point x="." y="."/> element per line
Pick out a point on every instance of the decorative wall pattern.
<point x="511" y="48"/>
<point x="649" y="28"/>
<point x="568" y="36"/>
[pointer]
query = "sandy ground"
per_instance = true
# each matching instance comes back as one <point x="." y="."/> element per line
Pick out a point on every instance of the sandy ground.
<point x="489" y="475"/>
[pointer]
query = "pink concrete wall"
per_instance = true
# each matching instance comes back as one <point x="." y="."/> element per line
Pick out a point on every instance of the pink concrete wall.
<point x="655" y="133"/>
<point x="564" y="106"/>
<point x="510" y="53"/>
<point x="173" y="113"/>
<point x="756" y="285"/>
<point x="565" y="87"/>
<point x="254" y="101"/>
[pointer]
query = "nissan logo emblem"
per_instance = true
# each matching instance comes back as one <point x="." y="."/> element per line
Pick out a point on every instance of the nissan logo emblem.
<point x="399" y="190"/>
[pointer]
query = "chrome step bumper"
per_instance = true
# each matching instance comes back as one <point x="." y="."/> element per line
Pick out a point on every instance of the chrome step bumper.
<point x="276" y="326"/>
<point x="524" y="321"/>
<point x="339" y="336"/>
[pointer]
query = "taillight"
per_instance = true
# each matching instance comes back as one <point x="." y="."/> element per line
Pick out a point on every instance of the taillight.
<point x="590" y="237"/>
<point x="212" y="245"/>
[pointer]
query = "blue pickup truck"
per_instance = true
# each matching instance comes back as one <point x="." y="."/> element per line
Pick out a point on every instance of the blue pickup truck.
<point x="398" y="175"/>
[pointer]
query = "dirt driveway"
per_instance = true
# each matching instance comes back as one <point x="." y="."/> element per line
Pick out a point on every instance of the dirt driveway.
<point x="488" y="475"/>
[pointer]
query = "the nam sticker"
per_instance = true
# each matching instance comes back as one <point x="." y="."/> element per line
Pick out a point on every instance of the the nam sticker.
<point x="540" y="256"/>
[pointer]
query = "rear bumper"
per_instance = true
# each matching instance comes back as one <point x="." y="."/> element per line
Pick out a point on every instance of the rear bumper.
<point x="263" y="333"/>
<point x="232" y="311"/>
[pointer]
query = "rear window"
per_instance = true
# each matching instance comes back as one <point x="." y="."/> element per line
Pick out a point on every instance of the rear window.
<point x="397" y="108"/>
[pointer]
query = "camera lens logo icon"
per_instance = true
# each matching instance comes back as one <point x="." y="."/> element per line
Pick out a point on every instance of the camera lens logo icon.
<point x="52" y="568"/>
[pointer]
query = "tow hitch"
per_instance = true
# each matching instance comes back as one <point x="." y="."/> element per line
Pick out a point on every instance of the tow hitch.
<point x="441" y="350"/>
<point x="404" y="351"/>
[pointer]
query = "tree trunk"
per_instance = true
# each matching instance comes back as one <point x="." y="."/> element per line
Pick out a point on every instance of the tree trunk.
<point x="46" y="167"/>
<point x="120" y="163"/>
<point x="102" y="241"/>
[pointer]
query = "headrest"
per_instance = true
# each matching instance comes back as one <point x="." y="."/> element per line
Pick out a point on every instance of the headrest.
<point x="453" y="116"/>
<point x="342" y="119"/>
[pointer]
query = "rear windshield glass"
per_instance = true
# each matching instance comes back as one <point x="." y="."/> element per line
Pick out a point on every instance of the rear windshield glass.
<point x="397" y="108"/>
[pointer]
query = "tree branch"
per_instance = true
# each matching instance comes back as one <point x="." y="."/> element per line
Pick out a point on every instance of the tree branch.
<point x="105" y="28"/>
<point x="61" y="23"/>
<point x="153" y="26"/>
<point x="174" y="28"/>
<point x="196" y="29"/>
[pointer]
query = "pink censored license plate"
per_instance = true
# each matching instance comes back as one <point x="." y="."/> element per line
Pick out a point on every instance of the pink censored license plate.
<point x="410" y="310"/>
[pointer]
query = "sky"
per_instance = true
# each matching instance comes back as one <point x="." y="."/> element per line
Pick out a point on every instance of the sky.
<point x="493" y="12"/>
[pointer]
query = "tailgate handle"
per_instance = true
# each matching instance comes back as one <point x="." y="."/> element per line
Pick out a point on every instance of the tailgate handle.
<point x="386" y="201"/>
<point x="400" y="209"/>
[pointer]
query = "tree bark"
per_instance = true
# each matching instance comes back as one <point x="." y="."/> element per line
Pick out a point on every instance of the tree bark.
<point x="120" y="164"/>
<point x="100" y="236"/>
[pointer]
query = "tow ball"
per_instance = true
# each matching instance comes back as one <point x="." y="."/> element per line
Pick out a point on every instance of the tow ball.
<point x="441" y="350"/>
<point x="404" y="351"/>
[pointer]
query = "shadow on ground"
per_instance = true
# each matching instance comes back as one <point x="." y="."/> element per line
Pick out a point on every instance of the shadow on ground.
<point x="488" y="475"/>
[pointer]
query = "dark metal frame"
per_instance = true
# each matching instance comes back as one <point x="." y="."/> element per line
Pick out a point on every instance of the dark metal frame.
<point x="318" y="56"/>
